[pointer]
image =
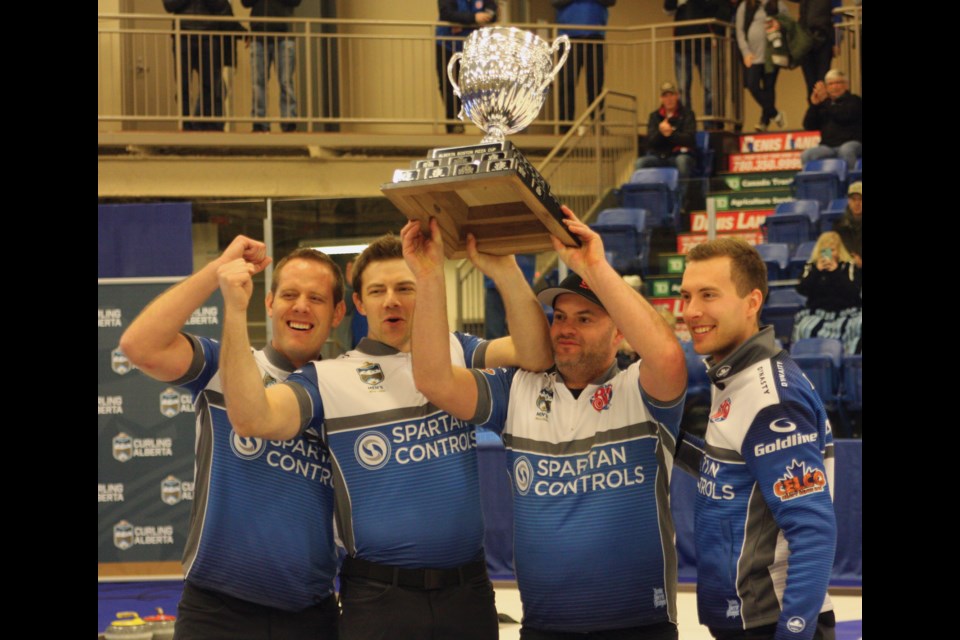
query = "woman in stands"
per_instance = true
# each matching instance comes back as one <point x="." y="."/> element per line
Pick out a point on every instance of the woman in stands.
<point x="832" y="283"/>
<point x="754" y="18"/>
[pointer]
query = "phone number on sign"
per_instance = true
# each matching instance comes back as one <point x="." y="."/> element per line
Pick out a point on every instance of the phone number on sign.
<point x="768" y="162"/>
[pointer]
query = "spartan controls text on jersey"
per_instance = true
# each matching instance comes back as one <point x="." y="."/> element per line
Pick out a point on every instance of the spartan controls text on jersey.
<point x="707" y="483"/>
<point x="301" y="456"/>
<point x="598" y="470"/>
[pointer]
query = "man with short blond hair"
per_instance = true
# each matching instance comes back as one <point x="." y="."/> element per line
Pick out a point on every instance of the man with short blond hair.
<point x="260" y="556"/>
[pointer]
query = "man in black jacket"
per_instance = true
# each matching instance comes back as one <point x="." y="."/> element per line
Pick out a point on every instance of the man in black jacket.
<point x="671" y="136"/>
<point x="838" y="115"/>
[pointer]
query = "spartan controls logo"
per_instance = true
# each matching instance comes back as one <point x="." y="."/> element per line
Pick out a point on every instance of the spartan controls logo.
<point x="122" y="447"/>
<point x="247" y="448"/>
<point x="372" y="450"/>
<point x="119" y="363"/>
<point x="123" y="535"/>
<point x="370" y="373"/>
<point x="523" y="475"/>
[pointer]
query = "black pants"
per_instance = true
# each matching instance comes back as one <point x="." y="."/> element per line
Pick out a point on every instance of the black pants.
<point x="661" y="631"/>
<point x="209" y="614"/>
<point x="376" y="610"/>
<point x="203" y="53"/>
<point x="815" y="65"/>
<point x="826" y="630"/>
<point x="762" y="86"/>
<point x="582" y="53"/>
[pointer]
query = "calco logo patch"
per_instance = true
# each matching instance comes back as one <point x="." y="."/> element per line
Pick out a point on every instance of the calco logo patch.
<point x="798" y="481"/>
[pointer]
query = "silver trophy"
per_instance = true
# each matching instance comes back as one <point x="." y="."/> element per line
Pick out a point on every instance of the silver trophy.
<point x="505" y="74"/>
<point x="490" y="189"/>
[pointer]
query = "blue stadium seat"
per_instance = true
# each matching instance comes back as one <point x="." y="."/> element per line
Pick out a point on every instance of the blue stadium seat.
<point x="793" y="222"/>
<point x="704" y="154"/>
<point x="800" y="259"/>
<point x="657" y="191"/>
<point x="821" y="180"/>
<point x="851" y="393"/>
<point x="625" y="238"/>
<point x="856" y="175"/>
<point x="833" y="212"/>
<point x="821" y="359"/>
<point x="781" y="307"/>
<point x="776" y="256"/>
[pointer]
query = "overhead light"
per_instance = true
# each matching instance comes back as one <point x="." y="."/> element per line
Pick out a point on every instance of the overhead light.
<point x="340" y="249"/>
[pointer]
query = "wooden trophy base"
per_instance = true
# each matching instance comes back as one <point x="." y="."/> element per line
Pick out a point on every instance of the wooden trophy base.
<point x="502" y="201"/>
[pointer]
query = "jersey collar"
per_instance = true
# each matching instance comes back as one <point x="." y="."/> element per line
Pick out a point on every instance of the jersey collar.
<point x="760" y="346"/>
<point x="279" y="360"/>
<point x="375" y="348"/>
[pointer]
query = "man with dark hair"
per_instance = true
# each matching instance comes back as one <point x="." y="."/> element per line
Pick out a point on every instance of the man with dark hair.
<point x="408" y="495"/>
<point x="589" y="447"/>
<point x="764" y="526"/>
<point x="260" y="557"/>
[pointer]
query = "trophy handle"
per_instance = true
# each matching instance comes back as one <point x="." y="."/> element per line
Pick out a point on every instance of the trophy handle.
<point x="560" y="41"/>
<point x="450" y="75"/>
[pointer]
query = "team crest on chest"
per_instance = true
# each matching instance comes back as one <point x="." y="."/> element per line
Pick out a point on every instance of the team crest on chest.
<point x="601" y="397"/>
<point x="722" y="412"/>
<point x="371" y="375"/>
<point x="544" y="403"/>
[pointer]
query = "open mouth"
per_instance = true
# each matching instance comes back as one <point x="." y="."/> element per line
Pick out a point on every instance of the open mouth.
<point x="394" y="320"/>
<point x="699" y="331"/>
<point x="299" y="326"/>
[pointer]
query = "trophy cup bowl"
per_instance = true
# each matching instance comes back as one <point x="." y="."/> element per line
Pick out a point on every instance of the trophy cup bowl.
<point x="505" y="74"/>
<point x="490" y="189"/>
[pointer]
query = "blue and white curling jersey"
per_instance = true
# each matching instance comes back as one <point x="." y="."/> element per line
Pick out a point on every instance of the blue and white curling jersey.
<point x="261" y="528"/>
<point x="765" y="526"/>
<point x="593" y="535"/>
<point x="405" y="472"/>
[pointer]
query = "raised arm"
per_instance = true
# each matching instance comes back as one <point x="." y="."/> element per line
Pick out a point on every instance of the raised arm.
<point x="663" y="371"/>
<point x="272" y="413"/>
<point x="153" y="341"/>
<point x="528" y="345"/>
<point x="453" y="389"/>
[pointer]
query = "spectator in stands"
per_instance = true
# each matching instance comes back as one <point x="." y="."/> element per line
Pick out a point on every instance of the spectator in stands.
<point x="838" y="115"/>
<point x="816" y="16"/>
<point x="850" y="226"/>
<point x="202" y="52"/>
<point x="267" y="49"/>
<point x="462" y="12"/>
<point x="754" y="19"/>
<point x="671" y="137"/>
<point x="831" y="282"/>
<point x="698" y="51"/>
<point x="587" y="49"/>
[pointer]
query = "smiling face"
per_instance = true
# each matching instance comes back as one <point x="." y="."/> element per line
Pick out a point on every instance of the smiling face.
<point x="388" y="296"/>
<point x="584" y="338"/>
<point x="303" y="310"/>
<point x="718" y="317"/>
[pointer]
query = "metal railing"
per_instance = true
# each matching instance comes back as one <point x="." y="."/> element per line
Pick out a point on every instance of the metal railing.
<point x="849" y="37"/>
<point x="595" y="156"/>
<point x="156" y="72"/>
